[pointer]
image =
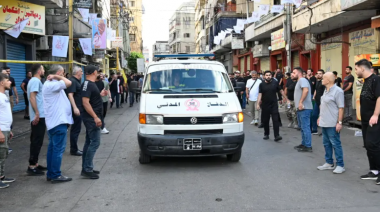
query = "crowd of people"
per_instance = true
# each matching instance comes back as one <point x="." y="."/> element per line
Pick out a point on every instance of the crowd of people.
<point x="322" y="101"/>
<point x="78" y="102"/>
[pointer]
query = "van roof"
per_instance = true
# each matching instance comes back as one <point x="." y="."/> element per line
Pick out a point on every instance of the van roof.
<point x="194" y="61"/>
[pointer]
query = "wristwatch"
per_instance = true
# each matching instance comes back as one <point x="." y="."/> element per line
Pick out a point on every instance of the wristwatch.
<point x="339" y="122"/>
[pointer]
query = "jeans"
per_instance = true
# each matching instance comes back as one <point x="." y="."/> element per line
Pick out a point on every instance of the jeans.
<point x="304" y="124"/>
<point x="348" y="105"/>
<point x="256" y="114"/>
<point x="91" y="145"/>
<point x="56" y="148"/>
<point x="4" y="151"/>
<point x="331" y="140"/>
<point x="36" y="140"/>
<point x="265" y="118"/>
<point x="372" y="144"/>
<point x="131" y="97"/>
<point x="117" y="95"/>
<point x="314" y="118"/>
<point x="74" y="133"/>
<point x="244" y="103"/>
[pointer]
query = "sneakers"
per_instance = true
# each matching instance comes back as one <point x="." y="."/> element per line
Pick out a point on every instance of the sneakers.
<point x="326" y="166"/>
<point x="7" y="180"/>
<point x="3" y="185"/>
<point x="34" y="171"/>
<point x="295" y="126"/>
<point x="252" y="122"/>
<point x="290" y="125"/>
<point x="315" y="133"/>
<point x="89" y="175"/>
<point x="266" y="137"/>
<point x="261" y="126"/>
<point x="104" y="131"/>
<point x="369" y="176"/>
<point x="277" y="138"/>
<point x="305" y="149"/>
<point x="339" y="170"/>
<point x="299" y="147"/>
<point x="10" y="150"/>
<point x="378" y="181"/>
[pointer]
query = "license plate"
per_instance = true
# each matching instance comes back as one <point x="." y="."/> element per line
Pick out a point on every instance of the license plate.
<point x="192" y="144"/>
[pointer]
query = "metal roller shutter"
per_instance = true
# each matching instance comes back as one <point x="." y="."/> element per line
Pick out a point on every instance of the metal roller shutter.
<point x="264" y="64"/>
<point x="295" y="59"/>
<point x="241" y="64"/>
<point x="16" y="51"/>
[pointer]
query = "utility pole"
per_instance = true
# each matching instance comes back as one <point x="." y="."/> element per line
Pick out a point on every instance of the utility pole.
<point x="117" y="34"/>
<point x="289" y="36"/>
<point x="248" y="9"/>
<point x="71" y="16"/>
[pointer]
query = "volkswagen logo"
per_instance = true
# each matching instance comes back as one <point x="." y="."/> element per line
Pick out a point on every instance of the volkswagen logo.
<point x="193" y="120"/>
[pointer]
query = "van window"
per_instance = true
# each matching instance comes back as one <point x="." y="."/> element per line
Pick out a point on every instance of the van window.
<point x="187" y="81"/>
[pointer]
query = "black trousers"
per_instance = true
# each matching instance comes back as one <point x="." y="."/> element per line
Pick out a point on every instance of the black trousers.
<point x="121" y="98"/>
<point x="36" y="141"/>
<point x="74" y="133"/>
<point x="372" y="144"/>
<point x="265" y="118"/>
<point x="105" y="106"/>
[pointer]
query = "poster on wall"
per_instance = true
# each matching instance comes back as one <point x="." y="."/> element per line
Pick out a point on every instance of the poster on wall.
<point x="99" y="33"/>
<point x="86" y="45"/>
<point x="83" y="3"/>
<point x="13" y="12"/>
<point x="277" y="40"/>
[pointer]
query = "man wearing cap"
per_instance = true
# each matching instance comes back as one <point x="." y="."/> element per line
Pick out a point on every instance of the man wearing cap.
<point x="92" y="109"/>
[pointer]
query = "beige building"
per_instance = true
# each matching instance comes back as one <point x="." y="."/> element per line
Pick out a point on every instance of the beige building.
<point x="200" y="26"/>
<point x="135" y="25"/>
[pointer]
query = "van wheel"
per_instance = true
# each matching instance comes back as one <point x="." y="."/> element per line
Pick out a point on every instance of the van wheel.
<point x="234" y="157"/>
<point x="144" y="158"/>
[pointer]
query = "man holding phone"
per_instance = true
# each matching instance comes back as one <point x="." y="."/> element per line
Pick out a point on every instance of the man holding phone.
<point x="330" y="119"/>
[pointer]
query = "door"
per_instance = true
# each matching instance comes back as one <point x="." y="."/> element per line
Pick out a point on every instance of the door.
<point x="295" y="59"/>
<point x="16" y="51"/>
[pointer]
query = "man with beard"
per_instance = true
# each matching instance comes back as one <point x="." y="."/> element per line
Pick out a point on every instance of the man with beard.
<point x="268" y="97"/>
<point x="347" y="88"/>
<point x="319" y="89"/>
<point x="302" y="100"/>
<point x="312" y="79"/>
<point x="369" y="111"/>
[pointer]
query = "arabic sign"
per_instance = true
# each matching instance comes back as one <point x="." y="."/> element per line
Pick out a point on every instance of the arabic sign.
<point x="99" y="33"/>
<point x="13" y="12"/>
<point x="329" y="44"/>
<point x="277" y="40"/>
<point x="117" y="43"/>
<point x="365" y="37"/>
<point x="373" y="58"/>
<point x="345" y="4"/>
<point x="83" y="3"/>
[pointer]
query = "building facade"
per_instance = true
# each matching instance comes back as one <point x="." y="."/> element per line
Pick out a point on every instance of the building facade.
<point x="160" y="47"/>
<point x="136" y="10"/>
<point x="181" y="29"/>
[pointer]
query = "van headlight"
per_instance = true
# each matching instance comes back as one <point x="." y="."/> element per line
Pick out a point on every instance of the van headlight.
<point x="154" y="119"/>
<point x="233" y="117"/>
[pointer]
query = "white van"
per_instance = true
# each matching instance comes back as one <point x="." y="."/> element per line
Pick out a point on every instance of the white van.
<point x="189" y="108"/>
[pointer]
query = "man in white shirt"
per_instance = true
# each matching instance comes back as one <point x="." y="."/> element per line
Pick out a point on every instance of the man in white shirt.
<point x="57" y="116"/>
<point x="5" y="128"/>
<point x="252" y="90"/>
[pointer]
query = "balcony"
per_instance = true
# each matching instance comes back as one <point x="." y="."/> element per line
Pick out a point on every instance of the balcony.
<point x="263" y="28"/>
<point x="350" y="5"/>
<point x="327" y="15"/>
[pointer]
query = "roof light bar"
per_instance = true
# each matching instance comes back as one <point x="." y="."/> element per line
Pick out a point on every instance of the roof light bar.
<point x="182" y="55"/>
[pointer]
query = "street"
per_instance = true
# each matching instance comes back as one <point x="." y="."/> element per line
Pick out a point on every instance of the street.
<point x="269" y="177"/>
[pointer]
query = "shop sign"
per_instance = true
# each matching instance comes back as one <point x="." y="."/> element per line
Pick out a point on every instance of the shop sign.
<point x="13" y="12"/>
<point x="365" y="37"/>
<point x="345" y="4"/>
<point x="83" y="3"/>
<point x="329" y="44"/>
<point x="277" y="40"/>
<point x="117" y="43"/>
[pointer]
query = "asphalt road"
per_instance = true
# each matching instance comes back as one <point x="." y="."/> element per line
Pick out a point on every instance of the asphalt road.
<point x="269" y="177"/>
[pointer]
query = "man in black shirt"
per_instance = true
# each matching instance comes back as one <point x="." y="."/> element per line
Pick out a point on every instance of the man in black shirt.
<point x="291" y="110"/>
<point x="338" y="80"/>
<point x="347" y="88"/>
<point x="92" y="115"/>
<point x="240" y="93"/>
<point x="74" y="94"/>
<point x="13" y="90"/>
<point x="269" y="105"/>
<point x="312" y="80"/>
<point x="121" y="88"/>
<point x="318" y="93"/>
<point x="115" y="89"/>
<point x="370" y="111"/>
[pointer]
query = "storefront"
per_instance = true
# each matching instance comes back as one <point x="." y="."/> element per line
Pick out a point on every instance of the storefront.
<point x="331" y="55"/>
<point x="278" y="54"/>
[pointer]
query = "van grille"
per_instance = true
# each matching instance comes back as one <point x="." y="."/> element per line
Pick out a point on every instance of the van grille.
<point x="192" y="132"/>
<point x="186" y="120"/>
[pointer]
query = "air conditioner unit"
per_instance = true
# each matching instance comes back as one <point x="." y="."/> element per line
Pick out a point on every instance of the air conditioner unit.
<point x="42" y="43"/>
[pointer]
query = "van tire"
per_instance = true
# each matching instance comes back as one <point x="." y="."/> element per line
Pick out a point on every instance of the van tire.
<point x="235" y="157"/>
<point x="144" y="158"/>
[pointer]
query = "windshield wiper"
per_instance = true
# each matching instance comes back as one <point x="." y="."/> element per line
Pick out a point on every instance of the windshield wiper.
<point x="202" y="89"/>
<point x="159" y="89"/>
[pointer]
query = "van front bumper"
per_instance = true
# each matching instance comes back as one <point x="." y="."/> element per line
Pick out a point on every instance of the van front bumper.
<point x="172" y="145"/>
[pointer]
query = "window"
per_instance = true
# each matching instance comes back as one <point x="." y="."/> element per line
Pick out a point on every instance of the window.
<point x="132" y="3"/>
<point x="187" y="49"/>
<point x="132" y="37"/>
<point x="277" y="2"/>
<point x="186" y="35"/>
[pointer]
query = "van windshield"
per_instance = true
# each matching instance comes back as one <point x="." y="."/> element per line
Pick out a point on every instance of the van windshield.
<point x="187" y="81"/>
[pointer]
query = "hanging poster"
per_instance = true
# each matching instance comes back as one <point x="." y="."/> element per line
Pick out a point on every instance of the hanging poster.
<point x="263" y="9"/>
<point x="16" y="30"/>
<point x="117" y="43"/>
<point x="91" y="17"/>
<point x="83" y="3"/>
<point x="86" y="45"/>
<point x="99" y="33"/>
<point x="60" y="45"/>
<point x="111" y="34"/>
<point x="277" y="8"/>
<point x="85" y="14"/>
<point x="13" y="12"/>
